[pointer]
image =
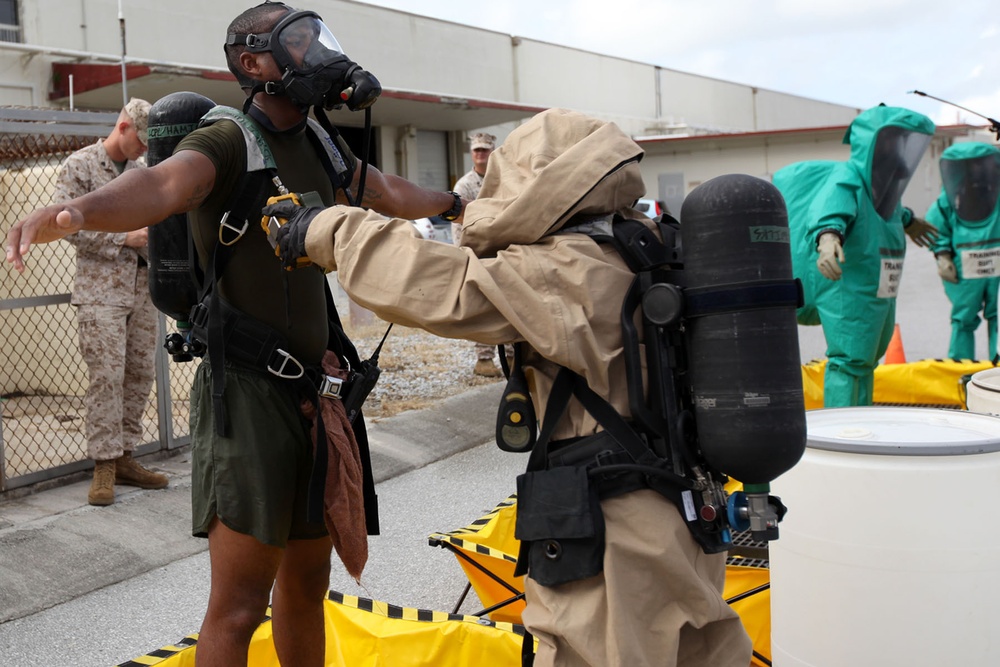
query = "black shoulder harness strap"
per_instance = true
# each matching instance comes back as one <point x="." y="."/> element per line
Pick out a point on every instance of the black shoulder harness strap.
<point x="218" y="320"/>
<point x="656" y="441"/>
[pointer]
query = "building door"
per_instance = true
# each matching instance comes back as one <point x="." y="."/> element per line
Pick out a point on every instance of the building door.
<point x="432" y="153"/>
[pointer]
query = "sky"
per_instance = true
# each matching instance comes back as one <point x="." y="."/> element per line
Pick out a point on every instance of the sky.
<point x="857" y="53"/>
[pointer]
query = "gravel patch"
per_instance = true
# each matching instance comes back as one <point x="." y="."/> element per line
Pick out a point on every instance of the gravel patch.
<point x="418" y="368"/>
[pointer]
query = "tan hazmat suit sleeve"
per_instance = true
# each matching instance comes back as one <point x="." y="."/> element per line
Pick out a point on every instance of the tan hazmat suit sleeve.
<point x="560" y="293"/>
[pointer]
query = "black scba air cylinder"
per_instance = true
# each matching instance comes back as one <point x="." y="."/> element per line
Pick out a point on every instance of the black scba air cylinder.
<point x="171" y="275"/>
<point x="743" y="357"/>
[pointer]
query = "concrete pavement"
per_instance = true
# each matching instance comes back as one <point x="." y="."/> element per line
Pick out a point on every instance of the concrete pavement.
<point x="55" y="547"/>
<point x="94" y="570"/>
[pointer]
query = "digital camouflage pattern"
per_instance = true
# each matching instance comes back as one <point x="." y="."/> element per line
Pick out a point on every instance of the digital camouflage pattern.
<point x="106" y="270"/>
<point x="116" y="318"/>
<point x="467" y="187"/>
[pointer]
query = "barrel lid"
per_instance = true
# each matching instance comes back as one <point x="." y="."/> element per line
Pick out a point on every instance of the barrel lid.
<point x="988" y="379"/>
<point x="902" y="431"/>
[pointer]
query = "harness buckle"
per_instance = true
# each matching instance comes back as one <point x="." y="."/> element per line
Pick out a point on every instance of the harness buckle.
<point x="331" y="387"/>
<point x="237" y="232"/>
<point x="199" y="315"/>
<point x="286" y="360"/>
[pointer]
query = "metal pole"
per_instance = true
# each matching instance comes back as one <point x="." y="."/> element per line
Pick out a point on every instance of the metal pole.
<point x="164" y="400"/>
<point x="121" y="25"/>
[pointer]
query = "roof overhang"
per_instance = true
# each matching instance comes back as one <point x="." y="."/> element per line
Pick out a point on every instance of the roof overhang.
<point x="98" y="86"/>
<point x="666" y="143"/>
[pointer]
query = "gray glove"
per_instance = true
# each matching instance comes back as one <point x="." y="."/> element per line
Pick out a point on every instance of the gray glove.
<point x="946" y="269"/>
<point x="291" y="235"/>
<point x="831" y="256"/>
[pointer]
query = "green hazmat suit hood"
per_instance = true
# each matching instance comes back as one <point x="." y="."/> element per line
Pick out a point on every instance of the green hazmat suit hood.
<point x="968" y="221"/>
<point x="859" y="201"/>
<point x="886" y="146"/>
<point x="970" y="177"/>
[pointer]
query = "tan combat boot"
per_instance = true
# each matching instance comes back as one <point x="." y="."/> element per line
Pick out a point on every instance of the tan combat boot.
<point x="129" y="472"/>
<point x="102" y="488"/>
<point x="486" y="368"/>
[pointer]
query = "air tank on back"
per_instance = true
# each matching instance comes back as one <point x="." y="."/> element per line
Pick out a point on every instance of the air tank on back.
<point x="172" y="285"/>
<point x="742" y="353"/>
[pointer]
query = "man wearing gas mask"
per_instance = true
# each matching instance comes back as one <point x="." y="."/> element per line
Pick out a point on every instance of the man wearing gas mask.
<point x="968" y="246"/>
<point x="250" y="484"/>
<point x="847" y="232"/>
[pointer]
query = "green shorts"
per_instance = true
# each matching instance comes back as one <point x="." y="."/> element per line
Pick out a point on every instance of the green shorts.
<point x="256" y="479"/>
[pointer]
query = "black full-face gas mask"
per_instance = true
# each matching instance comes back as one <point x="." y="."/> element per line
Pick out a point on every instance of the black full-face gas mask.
<point x="315" y="71"/>
<point x="972" y="186"/>
<point x="896" y="156"/>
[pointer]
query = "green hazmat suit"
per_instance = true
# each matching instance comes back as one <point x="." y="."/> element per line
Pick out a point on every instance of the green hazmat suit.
<point x="968" y="221"/>
<point x="859" y="201"/>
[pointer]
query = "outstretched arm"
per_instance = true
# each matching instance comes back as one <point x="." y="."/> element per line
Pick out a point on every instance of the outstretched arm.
<point x="397" y="197"/>
<point x="136" y="199"/>
<point x="920" y="231"/>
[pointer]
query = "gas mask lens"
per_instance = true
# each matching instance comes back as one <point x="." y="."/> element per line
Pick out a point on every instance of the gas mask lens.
<point x="972" y="186"/>
<point x="305" y="43"/>
<point x="896" y="156"/>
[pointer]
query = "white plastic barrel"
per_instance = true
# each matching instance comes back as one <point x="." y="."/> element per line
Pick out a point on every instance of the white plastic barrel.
<point x="890" y="551"/>
<point x="983" y="392"/>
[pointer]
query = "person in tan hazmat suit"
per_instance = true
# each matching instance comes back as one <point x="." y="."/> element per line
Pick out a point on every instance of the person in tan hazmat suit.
<point x="654" y="597"/>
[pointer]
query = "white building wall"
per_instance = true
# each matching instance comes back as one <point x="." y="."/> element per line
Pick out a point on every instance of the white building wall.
<point x="780" y="111"/>
<point x="700" y="161"/>
<point x="413" y="53"/>
<point x="706" y="104"/>
<point x="410" y="52"/>
<point x="609" y="88"/>
<point x="23" y="82"/>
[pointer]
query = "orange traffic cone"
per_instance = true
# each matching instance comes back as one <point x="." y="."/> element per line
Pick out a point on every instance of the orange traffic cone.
<point x="894" y="353"/>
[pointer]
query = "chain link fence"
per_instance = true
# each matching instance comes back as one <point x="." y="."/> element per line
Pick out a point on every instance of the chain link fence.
<point x="43" y="377"/>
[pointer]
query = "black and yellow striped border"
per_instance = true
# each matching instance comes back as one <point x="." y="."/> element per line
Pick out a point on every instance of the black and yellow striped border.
<point x="422" y="615"/>
<point x="376" y="607"/>
<point x="161" y="654"/>
<point x="454" y="537"/>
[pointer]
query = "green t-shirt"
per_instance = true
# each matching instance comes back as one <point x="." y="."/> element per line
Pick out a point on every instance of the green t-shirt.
<point x="292" y="302"/>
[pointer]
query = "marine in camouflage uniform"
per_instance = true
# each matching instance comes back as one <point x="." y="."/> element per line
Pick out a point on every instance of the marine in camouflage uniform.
<point x="467" y="187"/>
<point x="115" y="316"/>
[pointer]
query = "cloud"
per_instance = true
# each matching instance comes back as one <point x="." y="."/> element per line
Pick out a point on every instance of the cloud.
<point x="852" y="52"/>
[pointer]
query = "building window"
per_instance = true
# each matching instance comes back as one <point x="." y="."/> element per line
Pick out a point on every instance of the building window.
<point x="10" y="29"/>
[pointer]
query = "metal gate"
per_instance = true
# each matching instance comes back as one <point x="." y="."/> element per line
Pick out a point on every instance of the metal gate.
<point x="42" y="376"/>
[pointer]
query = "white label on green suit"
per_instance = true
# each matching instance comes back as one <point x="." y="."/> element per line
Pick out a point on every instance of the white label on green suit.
<point x="889" y="276"/>
<point x="980" y="263"/>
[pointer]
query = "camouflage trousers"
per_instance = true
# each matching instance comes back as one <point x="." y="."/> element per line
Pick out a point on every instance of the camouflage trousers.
<point x="119" y="346"/>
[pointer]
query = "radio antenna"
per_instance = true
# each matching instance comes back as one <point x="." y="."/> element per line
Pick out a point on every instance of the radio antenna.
<point x="994" y="124"/>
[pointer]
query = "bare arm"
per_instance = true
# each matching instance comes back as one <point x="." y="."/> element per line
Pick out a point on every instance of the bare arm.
<point x="397" y="197"/>
<point x="136" y="199"/>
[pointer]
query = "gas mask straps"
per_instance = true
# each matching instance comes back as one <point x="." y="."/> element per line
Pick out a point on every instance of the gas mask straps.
<point x="314" y="69"/>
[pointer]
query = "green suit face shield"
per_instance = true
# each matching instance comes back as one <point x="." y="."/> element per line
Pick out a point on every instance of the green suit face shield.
<point x="972" y="186"/>
<point x="896" y="156"/>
